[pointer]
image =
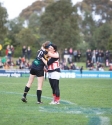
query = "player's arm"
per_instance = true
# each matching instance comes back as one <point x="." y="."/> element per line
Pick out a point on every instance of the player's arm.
<point x="49" y="62"/>
<point x="45" y="61"/>
<point x="54" y="55"/>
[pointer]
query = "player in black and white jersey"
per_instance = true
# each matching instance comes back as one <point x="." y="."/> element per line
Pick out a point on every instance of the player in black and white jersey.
<point x="37" y="69"/>
<point x="53" y="73"/>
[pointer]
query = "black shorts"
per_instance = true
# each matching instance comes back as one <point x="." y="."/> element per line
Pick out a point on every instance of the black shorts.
<point x="38" y="73"/>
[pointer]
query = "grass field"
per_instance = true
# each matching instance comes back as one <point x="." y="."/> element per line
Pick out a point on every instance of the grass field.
<point x="83" y="102"/>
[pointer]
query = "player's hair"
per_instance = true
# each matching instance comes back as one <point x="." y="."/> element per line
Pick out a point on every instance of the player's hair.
<point x="46" y="44"/>
<point x="55" y="47"/>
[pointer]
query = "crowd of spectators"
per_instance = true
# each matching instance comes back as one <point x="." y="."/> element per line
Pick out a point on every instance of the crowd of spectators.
<point x="95" y="60"/>
<point x="23" y="62"/>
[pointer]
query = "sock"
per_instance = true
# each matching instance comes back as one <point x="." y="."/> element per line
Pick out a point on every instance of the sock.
<point x="54" y="97"/>
<point x="26" y="91"/>
<point x="39" y="93"/>
<point x="57" y="99"/>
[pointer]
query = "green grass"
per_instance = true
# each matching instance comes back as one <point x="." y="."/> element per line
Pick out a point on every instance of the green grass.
<point x="83" y="102"/>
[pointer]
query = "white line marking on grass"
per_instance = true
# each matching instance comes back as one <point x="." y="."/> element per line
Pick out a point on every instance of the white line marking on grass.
<point x="99" y="120"/>
<point x="62" y="101"/>
<point x="104" y="121"/>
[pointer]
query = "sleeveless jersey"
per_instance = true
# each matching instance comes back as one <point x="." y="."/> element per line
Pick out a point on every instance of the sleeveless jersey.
<point x="37" y="62"/>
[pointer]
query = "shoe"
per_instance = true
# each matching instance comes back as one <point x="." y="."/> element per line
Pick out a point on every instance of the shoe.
<point x="39" y="102"/>
<point x="57" y="103"/>
<point x="54" y="103"/>
<point x="24" y="99"/>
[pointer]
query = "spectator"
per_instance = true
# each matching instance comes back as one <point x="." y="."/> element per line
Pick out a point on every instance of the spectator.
<point x="26" y="65"/>
<point x="65" y="66"/>
<point x="18" y="62"/>
<point x="6" y="66"/>
<point x="107" y="56"/>
<point x="88" y="55"/>
<point x="102" y="56"/>
<point x="4" y="59"/>
<point x="70" y="55"/>
<point x="22" y="65"/>
<point x="72" y="66"/>
<point x="75" y="55"/>
<point x="81" y="69"/>
<point x="1" y="64"/>
<point x="28" y="53"/>
<point x="24" y="51"/>
<point x="99" y="59"/>
<point x="78" y="55"/>
<point x="110" y="62"/>
<point x="23" y="59"/>
<point x="96" y="55"/>
<point x="89" y="65"/>
<point x="9" y="55"/>
<point x="6" y="51"/>
<point x="12" y="49"/>
<point x="110" y="68"/>
<point x="98" y="65"/>
<point x="93" y="57"/>
<point x="101" y="68"/>
<point x="66" y="55"/>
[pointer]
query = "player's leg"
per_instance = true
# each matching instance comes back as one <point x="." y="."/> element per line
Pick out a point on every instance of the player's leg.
<point x="53" y="89"/>
<point x="39" y="89"/>
<point x="57" y="90"/>
<point x="27" y="87"/>
<point x="55" y="83"/>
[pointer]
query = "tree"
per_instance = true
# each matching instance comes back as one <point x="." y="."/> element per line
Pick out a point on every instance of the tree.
<point x="110" y="43"/>
<point x="36" y="7"/>
<point x="59" y="24"/>
<point x="88" y="27"/>
<point x="101" y="37"/>
<point x="3" y="21"/>
<point x="95" y="14"/>
<point x="14" y="27"/>
<point x="101" y="8"/>
<point x="25" y="37"/>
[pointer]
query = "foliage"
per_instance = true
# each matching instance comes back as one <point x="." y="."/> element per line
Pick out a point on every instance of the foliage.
<point x="36" y="7"/>
<point x="100" y="8"/>
<point x="59" y="24"/>
<point x="94" y="14"/>
<point x="110" y="43"/>
<point x="3" y="21"/>
<point x="26" y="36"/>
<point x="83" y="47"/>
<point x="101" y="36"/>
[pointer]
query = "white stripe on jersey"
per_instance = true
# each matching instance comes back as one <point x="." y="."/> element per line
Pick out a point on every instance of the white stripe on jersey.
<point x="54" y="65"/>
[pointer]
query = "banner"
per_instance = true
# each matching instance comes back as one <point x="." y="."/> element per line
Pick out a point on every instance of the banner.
<point x="63" y="74"/>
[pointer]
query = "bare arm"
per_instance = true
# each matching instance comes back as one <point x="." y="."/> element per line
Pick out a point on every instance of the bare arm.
<point x="54" y="55"/>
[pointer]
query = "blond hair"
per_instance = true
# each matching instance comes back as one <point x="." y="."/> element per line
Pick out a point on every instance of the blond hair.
<point x="46" y="44"/>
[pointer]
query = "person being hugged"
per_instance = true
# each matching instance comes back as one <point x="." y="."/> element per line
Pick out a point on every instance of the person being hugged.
<point x="53" y="72"/>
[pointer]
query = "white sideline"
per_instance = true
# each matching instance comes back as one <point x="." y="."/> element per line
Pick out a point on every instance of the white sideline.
<point x="34" y="96"/>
